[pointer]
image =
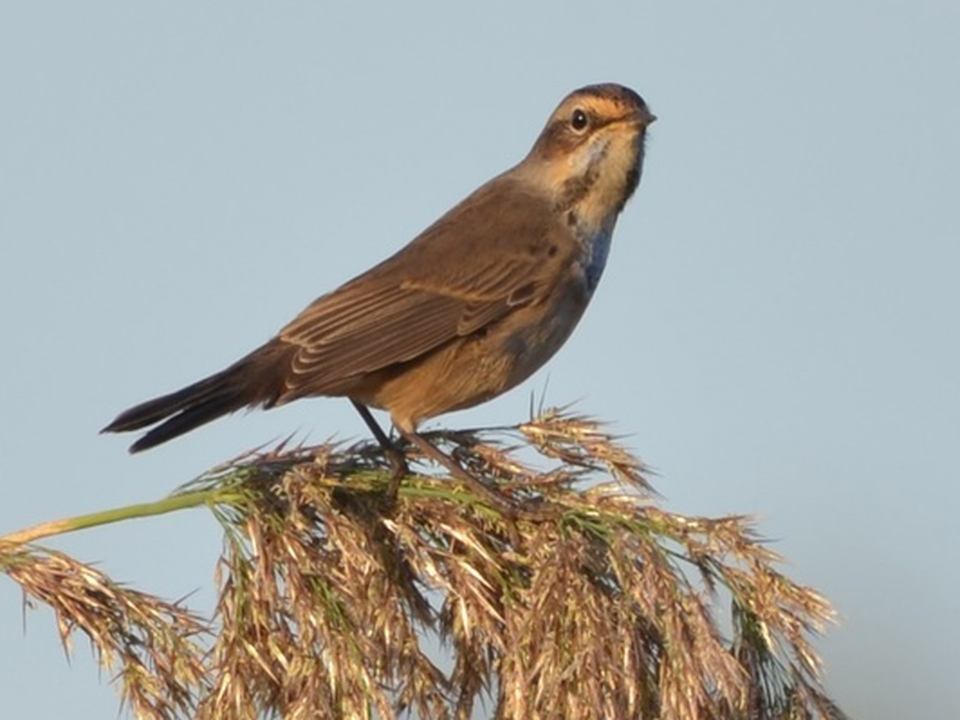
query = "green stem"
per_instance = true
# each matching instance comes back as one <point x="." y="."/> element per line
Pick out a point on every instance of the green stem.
<point x="168" y="504"/>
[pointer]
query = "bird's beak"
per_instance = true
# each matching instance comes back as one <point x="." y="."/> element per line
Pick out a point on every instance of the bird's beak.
<point x="639" y="118"/>
<point x="645" y="117"/>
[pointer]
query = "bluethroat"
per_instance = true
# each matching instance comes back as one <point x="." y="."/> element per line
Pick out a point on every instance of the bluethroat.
<point x="470" y="308"/>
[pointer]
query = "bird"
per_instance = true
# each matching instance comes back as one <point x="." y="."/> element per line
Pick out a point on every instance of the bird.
<point x="470" y="308"/>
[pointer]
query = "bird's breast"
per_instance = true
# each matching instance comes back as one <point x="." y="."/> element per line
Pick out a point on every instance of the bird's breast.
<point x="596" y="248"/>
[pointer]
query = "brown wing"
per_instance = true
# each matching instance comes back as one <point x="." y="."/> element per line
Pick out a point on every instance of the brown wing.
<point x="498" y="250"/>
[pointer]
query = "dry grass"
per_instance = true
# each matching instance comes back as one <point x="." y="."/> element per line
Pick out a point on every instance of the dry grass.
<point x="331" y="602"/>
<point x="155" y="646"/>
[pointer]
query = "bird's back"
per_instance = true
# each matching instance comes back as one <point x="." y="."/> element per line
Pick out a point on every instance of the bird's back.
<point x="460" y="306"/>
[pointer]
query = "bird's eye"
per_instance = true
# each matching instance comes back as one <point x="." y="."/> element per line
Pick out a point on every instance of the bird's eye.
<point x="579" y="120"/>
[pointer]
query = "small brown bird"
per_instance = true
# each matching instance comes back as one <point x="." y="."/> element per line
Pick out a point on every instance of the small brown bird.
<point x="469" y="309"/>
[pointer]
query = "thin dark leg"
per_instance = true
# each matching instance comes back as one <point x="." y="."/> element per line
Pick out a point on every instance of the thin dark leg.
<point x="509" y="509"/>
<point x="398" y="461"/>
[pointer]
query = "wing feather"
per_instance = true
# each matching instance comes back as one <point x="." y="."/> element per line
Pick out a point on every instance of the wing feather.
<point x="429" y="293"/>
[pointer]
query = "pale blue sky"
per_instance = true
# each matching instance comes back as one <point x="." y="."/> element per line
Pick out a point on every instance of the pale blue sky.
<point x="777" y="329"/>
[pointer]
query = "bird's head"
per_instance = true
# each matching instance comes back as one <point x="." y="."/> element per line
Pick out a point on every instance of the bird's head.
<point x="590" y="153"/>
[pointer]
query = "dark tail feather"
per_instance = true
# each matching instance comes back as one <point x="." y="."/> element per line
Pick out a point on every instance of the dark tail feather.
<point x="188" y="408"/>
<point x="188" y="419"/>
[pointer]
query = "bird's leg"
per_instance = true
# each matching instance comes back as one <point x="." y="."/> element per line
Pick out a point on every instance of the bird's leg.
<point x="511" y="510"/>
<point x="398" y="461"/>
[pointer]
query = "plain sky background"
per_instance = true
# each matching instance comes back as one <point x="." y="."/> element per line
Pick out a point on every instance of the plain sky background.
<point x="776" y="331"/>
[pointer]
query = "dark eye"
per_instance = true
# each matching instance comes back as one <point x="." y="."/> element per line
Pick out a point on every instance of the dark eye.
<point x="579" y="120"/>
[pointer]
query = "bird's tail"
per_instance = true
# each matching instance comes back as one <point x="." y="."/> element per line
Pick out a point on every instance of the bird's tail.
<point x="193" y="406"/>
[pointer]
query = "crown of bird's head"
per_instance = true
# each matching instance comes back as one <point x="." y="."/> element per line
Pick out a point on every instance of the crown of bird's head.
<point x="589" y="154"/>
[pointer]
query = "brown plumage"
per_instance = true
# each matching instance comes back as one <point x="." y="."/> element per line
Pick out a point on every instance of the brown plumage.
<point x="470" y="308"/>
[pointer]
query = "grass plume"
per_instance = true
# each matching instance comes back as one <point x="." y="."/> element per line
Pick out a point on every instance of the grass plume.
<point x="329" y="598"/>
